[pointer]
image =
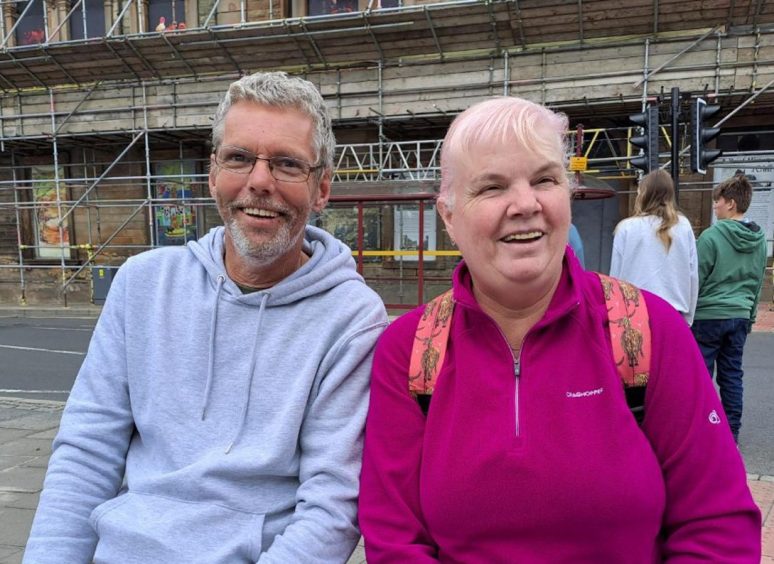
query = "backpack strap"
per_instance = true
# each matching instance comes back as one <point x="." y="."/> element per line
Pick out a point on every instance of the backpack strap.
<point x="629" y="327"/>
<point x="628" y="324"/>
<point x="430" y="341"/>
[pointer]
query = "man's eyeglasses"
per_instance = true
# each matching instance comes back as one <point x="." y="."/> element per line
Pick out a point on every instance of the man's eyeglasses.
<point x="241" y="161"/>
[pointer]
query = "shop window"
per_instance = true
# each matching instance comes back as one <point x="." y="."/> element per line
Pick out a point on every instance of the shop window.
<point x="406" y="231"/>
<point x="176" y="222"/>
<point x="166" y="15"/>
<point x="320" y="7"/>
<point x="94" y="20"/>
<point x="341" y="221"/>
<point x="50" y="241"/>
<point x="31" y="28"/>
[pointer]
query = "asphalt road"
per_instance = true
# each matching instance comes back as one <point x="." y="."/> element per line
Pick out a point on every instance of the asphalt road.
<point x="39" y="358"/>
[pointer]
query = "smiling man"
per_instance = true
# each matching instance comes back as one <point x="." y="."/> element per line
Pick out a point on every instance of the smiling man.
<point x="219" y="413"/>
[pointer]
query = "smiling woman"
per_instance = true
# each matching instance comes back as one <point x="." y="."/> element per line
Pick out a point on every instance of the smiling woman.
<point x="528" y="451"/>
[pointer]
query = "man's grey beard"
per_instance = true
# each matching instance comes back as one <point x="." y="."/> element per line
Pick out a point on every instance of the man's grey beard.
<point x="267" y="251"/>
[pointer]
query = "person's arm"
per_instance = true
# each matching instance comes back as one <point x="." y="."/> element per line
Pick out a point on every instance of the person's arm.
<point x="390" y="514"/>
<point x="617" y="258"/>
<point x="89" y="452"/>
<point x="705" y="251"/>
<point x="693" y="265"/>
<point x="324" y="525"/>
<point x="710" y="515"/>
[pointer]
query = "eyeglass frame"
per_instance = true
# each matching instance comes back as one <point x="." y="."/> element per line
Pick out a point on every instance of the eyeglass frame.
<point x="256" y="158"/>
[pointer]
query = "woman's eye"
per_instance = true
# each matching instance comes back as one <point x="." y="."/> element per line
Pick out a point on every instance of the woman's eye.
<point x="490" y="188"/>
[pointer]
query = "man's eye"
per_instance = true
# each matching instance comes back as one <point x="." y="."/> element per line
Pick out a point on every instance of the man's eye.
<point x="288" y="163"/>
<point x="236" y="157"/>
<point x="547" y="180"/>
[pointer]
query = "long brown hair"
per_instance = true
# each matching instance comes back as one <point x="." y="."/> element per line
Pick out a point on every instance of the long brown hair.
<point x="656" y="196"/>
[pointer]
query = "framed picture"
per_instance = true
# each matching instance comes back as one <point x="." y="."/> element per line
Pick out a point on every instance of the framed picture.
<point x="52" y="229"/>
<point x="175" y="221"/>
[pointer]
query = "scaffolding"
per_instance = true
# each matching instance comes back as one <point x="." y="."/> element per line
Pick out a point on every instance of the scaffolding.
<point x="104" y="138"/>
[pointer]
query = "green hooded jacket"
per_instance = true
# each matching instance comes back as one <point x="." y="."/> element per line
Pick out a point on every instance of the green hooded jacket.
<point x="732" y="261"/>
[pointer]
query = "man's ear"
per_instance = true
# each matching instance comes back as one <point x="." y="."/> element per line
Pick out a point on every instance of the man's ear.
<point x="212" y="175"/>
<point x="446" y="215"/>
<point x="323" y="192"/>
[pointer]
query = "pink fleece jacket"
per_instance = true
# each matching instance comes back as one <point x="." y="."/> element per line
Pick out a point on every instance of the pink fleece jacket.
<point x="549" y="465"/>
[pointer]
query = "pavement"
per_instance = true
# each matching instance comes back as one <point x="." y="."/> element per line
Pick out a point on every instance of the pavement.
<point x="27" y="428"/>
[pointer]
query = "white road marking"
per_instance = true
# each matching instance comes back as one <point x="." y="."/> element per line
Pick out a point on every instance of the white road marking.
<point x="82" y="328"/>
<point x="2" y="391"/>
<point x="42" y="350"/>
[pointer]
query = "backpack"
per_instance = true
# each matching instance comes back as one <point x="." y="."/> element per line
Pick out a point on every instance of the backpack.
<point x="628" y="325"/>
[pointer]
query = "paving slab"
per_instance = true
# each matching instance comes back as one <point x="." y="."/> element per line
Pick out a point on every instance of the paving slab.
<point x="12" y="462"/>
<point x="10" y="554"/>
<point x="16" y="525"/>
<point x="26" y="446"/>
<point x="19" y="500"/>
<point x="22" y="479"/>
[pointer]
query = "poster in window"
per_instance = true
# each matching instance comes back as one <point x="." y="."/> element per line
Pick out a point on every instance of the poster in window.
<point x="341" y="222"/>
<point x="407" y="231"/>
<point x="175" y="222"/>
<point x="51" y="241"/>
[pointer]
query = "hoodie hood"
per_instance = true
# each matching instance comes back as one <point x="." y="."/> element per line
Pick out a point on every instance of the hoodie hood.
<point x="743" y="236"/>
<point x="329" y="265"/>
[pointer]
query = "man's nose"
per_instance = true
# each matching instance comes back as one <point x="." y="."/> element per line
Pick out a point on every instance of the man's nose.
<point x="260" y="178"/>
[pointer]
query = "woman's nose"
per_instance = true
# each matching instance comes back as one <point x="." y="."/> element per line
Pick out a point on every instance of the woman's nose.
<point x="522" y="199"/>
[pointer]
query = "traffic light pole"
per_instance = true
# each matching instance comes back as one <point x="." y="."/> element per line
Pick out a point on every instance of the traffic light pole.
<point x="676" y="141"/>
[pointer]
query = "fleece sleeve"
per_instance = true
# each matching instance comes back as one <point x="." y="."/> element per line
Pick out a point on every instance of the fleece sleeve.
<point x="323" y="528"/>
<point x="89" y="452"/>
<point x="710" y="514"/>
<point x="390" y="513"/>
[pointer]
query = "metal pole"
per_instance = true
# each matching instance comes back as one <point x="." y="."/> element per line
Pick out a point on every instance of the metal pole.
<point x="676" y="141"/>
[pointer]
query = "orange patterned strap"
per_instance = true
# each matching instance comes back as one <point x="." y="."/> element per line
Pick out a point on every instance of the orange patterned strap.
<point x="629" y="329"/>
<point x="628" y="325"/>
<point x="430" y="342"/>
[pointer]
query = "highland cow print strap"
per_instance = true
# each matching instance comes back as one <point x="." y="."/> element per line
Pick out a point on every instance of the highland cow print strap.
<point x="629" y="330"/>
<point x="430" y="341"/>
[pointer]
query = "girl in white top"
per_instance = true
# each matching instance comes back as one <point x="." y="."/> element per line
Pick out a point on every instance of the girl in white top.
<point x="655" y="249"/>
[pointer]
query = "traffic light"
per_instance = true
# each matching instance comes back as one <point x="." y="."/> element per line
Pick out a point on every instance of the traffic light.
<point x="648" y="141"/>
<point x="700" y="135"/>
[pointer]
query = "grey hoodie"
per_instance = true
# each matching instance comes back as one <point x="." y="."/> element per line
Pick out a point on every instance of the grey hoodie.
<point x="210" y="426"/>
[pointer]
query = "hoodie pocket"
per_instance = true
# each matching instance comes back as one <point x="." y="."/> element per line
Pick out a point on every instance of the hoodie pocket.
<point x="141" y="528"/>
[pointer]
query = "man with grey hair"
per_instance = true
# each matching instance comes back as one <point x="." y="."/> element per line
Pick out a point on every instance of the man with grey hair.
<point x="218" y="415"/>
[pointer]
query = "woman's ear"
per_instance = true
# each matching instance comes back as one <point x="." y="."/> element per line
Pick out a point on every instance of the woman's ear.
<point x="446" y="215"/>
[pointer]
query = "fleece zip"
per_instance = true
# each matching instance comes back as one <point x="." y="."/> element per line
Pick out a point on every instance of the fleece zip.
<point x="580" y="481"/>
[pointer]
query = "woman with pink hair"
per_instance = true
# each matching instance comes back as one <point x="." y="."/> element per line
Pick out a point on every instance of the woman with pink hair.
<point x="528" y="451"/>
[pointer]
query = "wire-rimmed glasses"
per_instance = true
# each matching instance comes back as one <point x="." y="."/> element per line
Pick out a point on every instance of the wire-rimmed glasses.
<point x="241" y="161"/>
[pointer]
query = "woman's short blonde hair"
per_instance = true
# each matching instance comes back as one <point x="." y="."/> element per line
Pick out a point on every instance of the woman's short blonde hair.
<point x="505" y="119"/>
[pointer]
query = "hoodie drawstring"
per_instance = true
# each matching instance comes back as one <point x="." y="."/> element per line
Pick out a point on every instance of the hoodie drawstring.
<point x="211" y="359"/>
<point x="250" y="373"/>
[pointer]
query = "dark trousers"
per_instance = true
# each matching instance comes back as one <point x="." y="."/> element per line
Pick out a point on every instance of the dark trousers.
<point x="722" y="343"/>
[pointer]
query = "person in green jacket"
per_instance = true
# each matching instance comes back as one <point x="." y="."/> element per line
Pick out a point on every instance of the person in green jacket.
<point x="732" y="261"/>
